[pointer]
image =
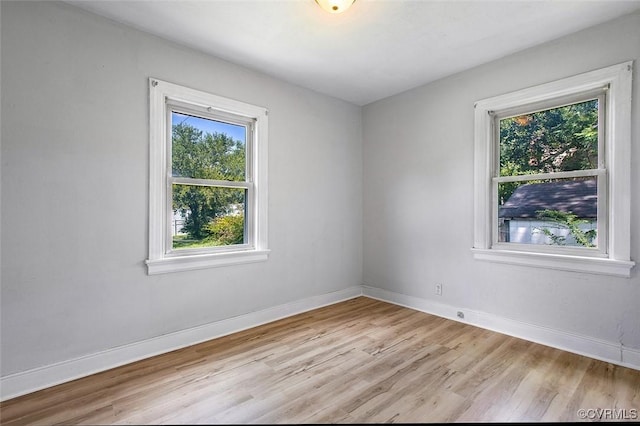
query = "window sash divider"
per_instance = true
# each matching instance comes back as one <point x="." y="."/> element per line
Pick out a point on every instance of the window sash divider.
<point x="551" y="175"/>
<point x="210" y="182"/>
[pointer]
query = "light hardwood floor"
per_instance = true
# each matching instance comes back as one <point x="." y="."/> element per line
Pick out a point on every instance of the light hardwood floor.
<point x="357" y="361"/>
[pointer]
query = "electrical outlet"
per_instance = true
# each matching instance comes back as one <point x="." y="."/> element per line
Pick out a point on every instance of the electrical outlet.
<point x="439" y="289"/>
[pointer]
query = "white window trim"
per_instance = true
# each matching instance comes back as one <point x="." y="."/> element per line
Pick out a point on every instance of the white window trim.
<point x="161" y="260"/>
<point x="617" y="156"/>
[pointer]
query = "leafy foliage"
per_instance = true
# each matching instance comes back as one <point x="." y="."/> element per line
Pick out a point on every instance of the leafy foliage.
<point x="554" y="140"/>
<point x="570" y="221"/>
<point x="202" y="155"/>
<point x="227" y="230"/>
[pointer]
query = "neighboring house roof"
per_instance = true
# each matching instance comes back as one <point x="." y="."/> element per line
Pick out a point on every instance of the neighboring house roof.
<point x="577" y="196"/>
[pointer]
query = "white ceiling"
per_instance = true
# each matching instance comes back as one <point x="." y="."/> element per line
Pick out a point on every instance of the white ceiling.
<point x="375" y="49"/>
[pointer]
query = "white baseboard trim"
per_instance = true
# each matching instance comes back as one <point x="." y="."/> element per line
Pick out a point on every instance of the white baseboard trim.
<point x="50" y="375"/>
<point x="22" y="383"/>
<point x="570" y="342"/>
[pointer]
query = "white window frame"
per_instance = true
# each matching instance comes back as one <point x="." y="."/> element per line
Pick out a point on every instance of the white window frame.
<point x="165" y="97"/>
<point x="614" y="182"/>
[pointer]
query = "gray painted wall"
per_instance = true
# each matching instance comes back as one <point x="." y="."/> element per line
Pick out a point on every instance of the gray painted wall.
<point x="75" y="157"/>
<point x="418" y="196"/>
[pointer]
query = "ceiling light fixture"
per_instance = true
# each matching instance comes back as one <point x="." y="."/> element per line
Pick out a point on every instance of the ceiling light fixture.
<point x="335" y="6"/>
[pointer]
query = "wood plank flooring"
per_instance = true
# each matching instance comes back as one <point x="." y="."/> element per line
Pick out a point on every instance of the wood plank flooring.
<point x="357" y="361"/>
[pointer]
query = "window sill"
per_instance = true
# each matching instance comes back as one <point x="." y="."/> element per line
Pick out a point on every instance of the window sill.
<point x="204" y="261"/>
<point x="590" y="265"/>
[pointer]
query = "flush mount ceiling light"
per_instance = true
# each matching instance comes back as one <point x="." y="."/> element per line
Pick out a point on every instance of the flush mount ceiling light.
<point x="335" y="6"/>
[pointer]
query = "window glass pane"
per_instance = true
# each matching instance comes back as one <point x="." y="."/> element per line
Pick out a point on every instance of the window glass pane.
<point x="553" y="140"/>
<point x="550" y="212"/>
<point x="203" y="148"/>
<point x="207" y="216"/>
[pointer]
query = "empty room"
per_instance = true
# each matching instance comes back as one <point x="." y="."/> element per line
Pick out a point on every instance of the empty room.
<point x="319" y="211"/>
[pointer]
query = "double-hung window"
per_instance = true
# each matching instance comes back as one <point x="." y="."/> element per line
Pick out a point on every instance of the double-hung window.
<point x="207" y="193"/>
<point x="552" y="174"/>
